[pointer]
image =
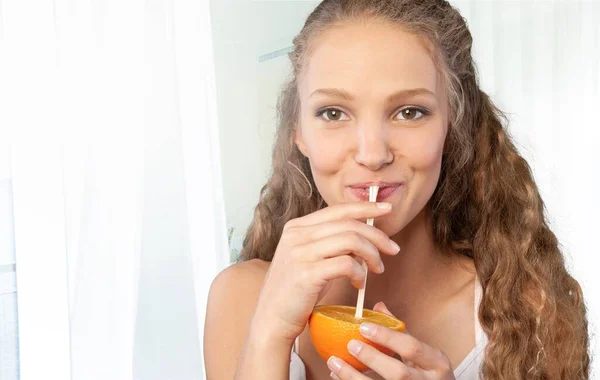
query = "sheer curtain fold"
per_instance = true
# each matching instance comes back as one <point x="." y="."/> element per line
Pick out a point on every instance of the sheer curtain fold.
<point x="118" y="151"/>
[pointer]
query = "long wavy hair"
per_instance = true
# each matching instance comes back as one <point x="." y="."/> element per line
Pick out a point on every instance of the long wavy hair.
<point x="486" y="205"/>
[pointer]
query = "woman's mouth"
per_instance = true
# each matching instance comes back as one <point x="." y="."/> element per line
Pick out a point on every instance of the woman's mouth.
<point x="386" y="190"/>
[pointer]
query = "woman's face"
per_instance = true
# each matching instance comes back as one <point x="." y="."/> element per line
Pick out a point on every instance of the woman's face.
<point x="373" y="111"/>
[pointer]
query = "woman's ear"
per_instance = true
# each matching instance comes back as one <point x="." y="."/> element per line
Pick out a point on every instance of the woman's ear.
<point x="448" y="137"/>
<point x="299" y="141"/>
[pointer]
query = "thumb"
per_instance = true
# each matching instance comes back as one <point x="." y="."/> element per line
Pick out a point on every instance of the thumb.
<point x="380" y="307"/>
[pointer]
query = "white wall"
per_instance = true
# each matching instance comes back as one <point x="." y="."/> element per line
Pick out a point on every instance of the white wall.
<point x="247" y="93"/>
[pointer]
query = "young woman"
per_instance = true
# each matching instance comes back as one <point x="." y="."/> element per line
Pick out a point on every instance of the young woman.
<point x="385" y="92"/>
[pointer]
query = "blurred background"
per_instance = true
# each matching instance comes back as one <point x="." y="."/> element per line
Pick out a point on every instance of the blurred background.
<point x="135" y="137"/>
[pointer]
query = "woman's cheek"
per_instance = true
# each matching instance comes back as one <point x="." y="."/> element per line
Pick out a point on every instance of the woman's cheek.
<point x="423" y="149"/>
<point x="327" y="158"/>
<point x="327" y="152"/>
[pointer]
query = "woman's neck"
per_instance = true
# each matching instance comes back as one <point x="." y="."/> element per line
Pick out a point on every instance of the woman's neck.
<point x="420" y="273"/>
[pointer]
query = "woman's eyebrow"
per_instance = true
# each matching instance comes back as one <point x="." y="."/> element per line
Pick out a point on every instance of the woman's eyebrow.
<point x="345" y="95"/>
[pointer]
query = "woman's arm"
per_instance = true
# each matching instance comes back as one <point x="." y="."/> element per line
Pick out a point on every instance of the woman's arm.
<point x="232" y="349"/>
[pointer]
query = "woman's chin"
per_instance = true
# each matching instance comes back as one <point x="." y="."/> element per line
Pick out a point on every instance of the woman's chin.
<point x="389" y="225"/>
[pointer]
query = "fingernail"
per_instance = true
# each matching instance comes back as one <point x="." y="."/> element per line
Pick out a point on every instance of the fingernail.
<point x="381" y="267"/>
<point x="354" y="347"/>
<point x="367" y="329"/>
<point x="384" y="205"/>
<point x="334" y="376"/>
<point x="395" y="246"/>
<point x="334" y="364"/>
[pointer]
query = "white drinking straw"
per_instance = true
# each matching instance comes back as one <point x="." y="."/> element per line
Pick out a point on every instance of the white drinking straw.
<point x="361" y="292"/>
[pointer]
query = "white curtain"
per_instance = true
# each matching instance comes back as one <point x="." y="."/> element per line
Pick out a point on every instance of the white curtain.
<point x="119" y="223"/>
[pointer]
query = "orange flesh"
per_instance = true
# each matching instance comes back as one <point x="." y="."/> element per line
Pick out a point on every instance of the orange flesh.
<point x="333" y="326"/>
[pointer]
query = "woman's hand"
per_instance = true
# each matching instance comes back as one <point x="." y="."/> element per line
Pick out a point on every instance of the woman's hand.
<point x="312" y="251"/>
<point x="419" y="361"/>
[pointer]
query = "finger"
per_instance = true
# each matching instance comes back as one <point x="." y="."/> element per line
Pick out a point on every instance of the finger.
<point x="349" y="210"/>
<point x="384" y="365"/>
<point x="377" y="237"/>
<point x="341" y="266"/>
<point x="344" y="243"/>
<point x="407" y="346"/>
<point x="343" y="371"/>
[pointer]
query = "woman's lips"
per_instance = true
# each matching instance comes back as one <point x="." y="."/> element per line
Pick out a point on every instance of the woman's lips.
<point x="385" y="191"/>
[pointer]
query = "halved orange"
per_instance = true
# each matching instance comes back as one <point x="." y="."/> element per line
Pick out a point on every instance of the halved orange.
<point x="333" y="326"/>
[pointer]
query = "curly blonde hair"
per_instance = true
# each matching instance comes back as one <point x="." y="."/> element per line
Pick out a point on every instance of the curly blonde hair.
<point x="486" y="205"/>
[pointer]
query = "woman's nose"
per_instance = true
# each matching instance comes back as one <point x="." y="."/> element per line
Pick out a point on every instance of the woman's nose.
<point x="373" y="148"/>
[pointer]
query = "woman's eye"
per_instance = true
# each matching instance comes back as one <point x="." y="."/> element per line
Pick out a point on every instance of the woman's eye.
<point x="411" y="113"/>
<point x="408" y="113"/>
<point x="331" y="114"/>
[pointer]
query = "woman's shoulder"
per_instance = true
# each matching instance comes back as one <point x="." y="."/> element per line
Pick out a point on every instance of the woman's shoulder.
<point x="231" y="302"/>
<point x="240" y="279"/>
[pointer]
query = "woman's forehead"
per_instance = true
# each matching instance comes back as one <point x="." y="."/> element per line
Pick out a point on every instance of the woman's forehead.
<point x="368" y="59"/>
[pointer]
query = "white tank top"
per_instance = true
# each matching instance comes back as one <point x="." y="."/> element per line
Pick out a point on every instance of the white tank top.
<point x="468" y="369"/>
